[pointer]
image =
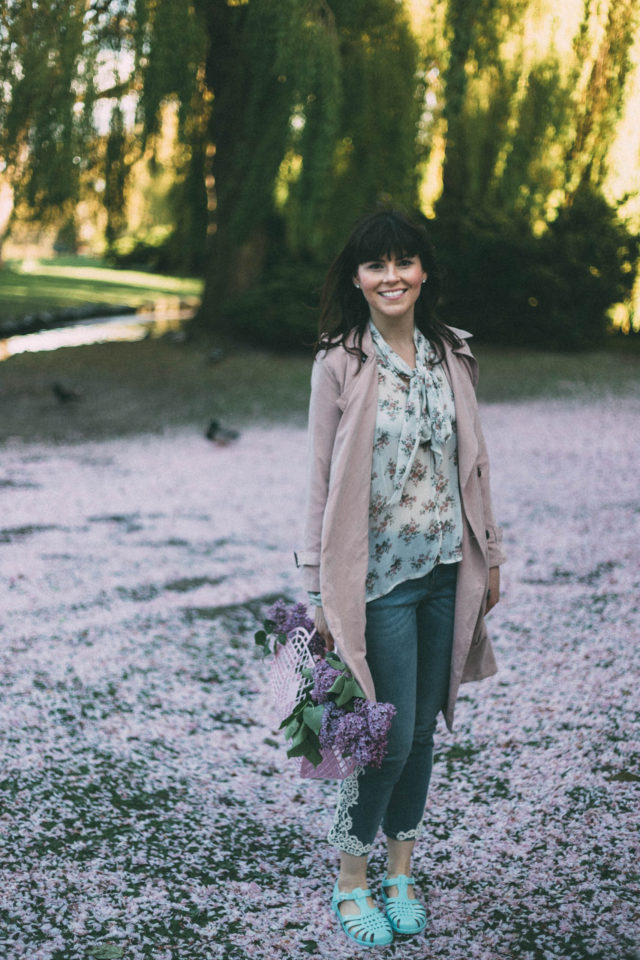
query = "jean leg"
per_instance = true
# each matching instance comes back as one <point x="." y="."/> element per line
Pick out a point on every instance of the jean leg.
<point x="392" y="656"/>
<point x="434" y="617"/>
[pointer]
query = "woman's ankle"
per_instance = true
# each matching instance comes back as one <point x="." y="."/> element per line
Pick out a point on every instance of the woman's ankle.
<point x="353" y="873"/>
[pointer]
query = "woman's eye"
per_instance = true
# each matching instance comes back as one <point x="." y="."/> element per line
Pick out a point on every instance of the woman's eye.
<point x="405" y="262"/>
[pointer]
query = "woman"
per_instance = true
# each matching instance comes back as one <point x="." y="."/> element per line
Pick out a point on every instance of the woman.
<point x="401" y="550"/>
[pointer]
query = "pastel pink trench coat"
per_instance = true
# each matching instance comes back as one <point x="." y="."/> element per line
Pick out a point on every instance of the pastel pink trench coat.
<point x="342" y="417"/>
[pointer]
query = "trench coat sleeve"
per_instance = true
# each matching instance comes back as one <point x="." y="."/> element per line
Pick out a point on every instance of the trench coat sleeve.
<point x="493" y="533"/>
<point x="324" y="417"/>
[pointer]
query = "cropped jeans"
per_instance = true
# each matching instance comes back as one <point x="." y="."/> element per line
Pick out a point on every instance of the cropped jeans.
<point x="409" y="636"/>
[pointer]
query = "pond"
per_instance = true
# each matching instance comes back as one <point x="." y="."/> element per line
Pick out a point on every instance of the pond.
<point x="123" y="327"/>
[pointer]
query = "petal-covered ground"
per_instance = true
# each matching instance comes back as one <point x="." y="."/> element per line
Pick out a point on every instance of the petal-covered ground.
<point x="147" y="809"/>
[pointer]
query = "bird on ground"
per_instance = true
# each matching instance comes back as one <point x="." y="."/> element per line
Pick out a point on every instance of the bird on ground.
<point x="219" y="434"/>
<point x="65" y="394"/>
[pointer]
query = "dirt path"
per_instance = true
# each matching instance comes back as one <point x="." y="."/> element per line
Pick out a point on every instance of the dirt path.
<point x="142" y="774"/>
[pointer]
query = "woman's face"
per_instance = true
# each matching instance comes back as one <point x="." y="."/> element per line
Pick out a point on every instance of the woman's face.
<point x="391" y="286"/>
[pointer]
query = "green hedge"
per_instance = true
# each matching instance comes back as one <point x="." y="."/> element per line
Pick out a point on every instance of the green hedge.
<point x="505" y="285"/>
<point x="281" y="310"/>
<point x="552" y="292"/>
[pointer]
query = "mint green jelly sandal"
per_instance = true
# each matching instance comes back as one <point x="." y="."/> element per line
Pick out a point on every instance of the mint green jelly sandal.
<point x="405" y="915"/>
<point x="369" y="929"/>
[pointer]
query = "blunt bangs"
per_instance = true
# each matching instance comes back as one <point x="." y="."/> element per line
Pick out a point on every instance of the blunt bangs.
<point x="343" y="309"/>
<point x="386" y="234"/>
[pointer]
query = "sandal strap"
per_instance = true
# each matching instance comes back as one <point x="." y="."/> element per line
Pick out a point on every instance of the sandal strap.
<point x="405" y="908"/>
<point x="357" y="894"/>
<point x="374" y="922"/>
<point x="401" y="881"/>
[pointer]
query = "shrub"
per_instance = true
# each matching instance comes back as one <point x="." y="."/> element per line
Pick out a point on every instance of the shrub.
<point x="280" y="310"/>
<point x="553" y="291"/>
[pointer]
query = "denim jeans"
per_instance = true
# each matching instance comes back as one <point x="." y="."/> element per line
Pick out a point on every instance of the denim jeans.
<point x="409" y="636"/>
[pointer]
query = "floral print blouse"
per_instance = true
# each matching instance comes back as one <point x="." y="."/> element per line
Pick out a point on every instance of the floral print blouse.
<point x="415" y="516"/>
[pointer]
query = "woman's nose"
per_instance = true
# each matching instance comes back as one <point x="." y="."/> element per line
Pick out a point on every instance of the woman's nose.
<point x="390" y="271"/>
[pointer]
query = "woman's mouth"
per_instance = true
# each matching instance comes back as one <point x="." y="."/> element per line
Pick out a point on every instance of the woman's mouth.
<point x="391" y="294"/>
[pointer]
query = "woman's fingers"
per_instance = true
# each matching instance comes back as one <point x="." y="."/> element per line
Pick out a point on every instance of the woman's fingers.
<point x="493" y="592"/>
<point x="323" y="628"/>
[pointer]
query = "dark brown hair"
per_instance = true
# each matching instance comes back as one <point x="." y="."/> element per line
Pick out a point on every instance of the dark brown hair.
<point x="343" y="308"/>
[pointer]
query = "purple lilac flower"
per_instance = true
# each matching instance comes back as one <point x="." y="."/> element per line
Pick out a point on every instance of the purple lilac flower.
<point x="324" y="676"/>
<point x="351" y="732"/>
<point x="286" y="617"/>
<point x="379" y="718"/>
<point x="363" y="734"/>
<point x="331" y="718"/>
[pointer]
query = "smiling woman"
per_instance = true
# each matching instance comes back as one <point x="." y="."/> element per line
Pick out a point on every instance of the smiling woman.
<point x="391" y="287"/>
<point x="401" y="552"/>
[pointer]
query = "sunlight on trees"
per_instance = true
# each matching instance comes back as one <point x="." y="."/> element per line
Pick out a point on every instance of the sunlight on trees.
<point x="239" y="140"/>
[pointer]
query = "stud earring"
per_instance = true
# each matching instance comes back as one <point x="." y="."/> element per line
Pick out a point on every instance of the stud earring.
<point x="425" y="280"/>
<point x="357" y="285"/>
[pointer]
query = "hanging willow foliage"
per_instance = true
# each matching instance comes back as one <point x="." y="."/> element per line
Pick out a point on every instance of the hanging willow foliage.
<point x="372" y="154"/>
<point x="294" y="116"/>
<point x="47" y="97"/>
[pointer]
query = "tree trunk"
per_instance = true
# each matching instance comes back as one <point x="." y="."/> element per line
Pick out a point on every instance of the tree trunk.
<point x="6" y="214"/>
<point x="249" y="128"/>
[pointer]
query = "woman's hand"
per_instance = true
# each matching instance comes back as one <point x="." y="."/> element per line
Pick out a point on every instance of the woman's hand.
<point x="323" y="628"/>
<point x="493" y="593"/>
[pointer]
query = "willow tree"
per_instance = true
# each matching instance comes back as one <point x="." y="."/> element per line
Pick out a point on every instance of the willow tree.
<point x="311" y="114"/>
<point x="350" y="141"/>
<point x="376" y="104"/>
<point x="47" y="93"/>
<point x="526" y="130"/>
<point x="294" y="116"/>
<point x="266" y="62"/>
<point x="520" y="119"/>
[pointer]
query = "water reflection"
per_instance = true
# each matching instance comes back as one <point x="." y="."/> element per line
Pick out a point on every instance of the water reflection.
<point x="128" y="327"/>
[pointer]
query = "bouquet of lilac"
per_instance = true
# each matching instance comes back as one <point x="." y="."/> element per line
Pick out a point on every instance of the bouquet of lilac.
<point x="329" y="713"/>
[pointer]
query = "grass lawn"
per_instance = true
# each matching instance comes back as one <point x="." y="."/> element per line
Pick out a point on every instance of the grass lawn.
<point x="30" y="286"/>
<point x="153" y="385"/>
<point x="147" y="386"/>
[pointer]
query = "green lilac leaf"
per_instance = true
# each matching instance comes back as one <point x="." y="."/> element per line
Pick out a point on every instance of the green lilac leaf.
<point x="313" y="717"/>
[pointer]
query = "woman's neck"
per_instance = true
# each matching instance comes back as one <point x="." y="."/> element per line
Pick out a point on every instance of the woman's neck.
<point x="399" y="336"/>
<point x="398" y="331"/>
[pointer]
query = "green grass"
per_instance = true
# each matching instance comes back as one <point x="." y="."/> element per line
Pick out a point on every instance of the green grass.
<point x="30" y="286"/>
<point x="148" y="386"/>
<point x="507" y="374"/>
<point x="154" y="385"/>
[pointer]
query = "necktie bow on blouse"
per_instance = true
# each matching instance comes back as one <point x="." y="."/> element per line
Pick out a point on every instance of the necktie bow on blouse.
<point x="429" y="412"/>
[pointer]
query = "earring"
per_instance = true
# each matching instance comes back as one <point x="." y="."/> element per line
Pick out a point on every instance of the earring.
<point x="425" y="280"/>
<point x="357" y="285"/>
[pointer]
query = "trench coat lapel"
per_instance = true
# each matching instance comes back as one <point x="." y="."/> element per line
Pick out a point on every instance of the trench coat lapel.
<point x="465" y="404"/>
<point x="345" y="548"/>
